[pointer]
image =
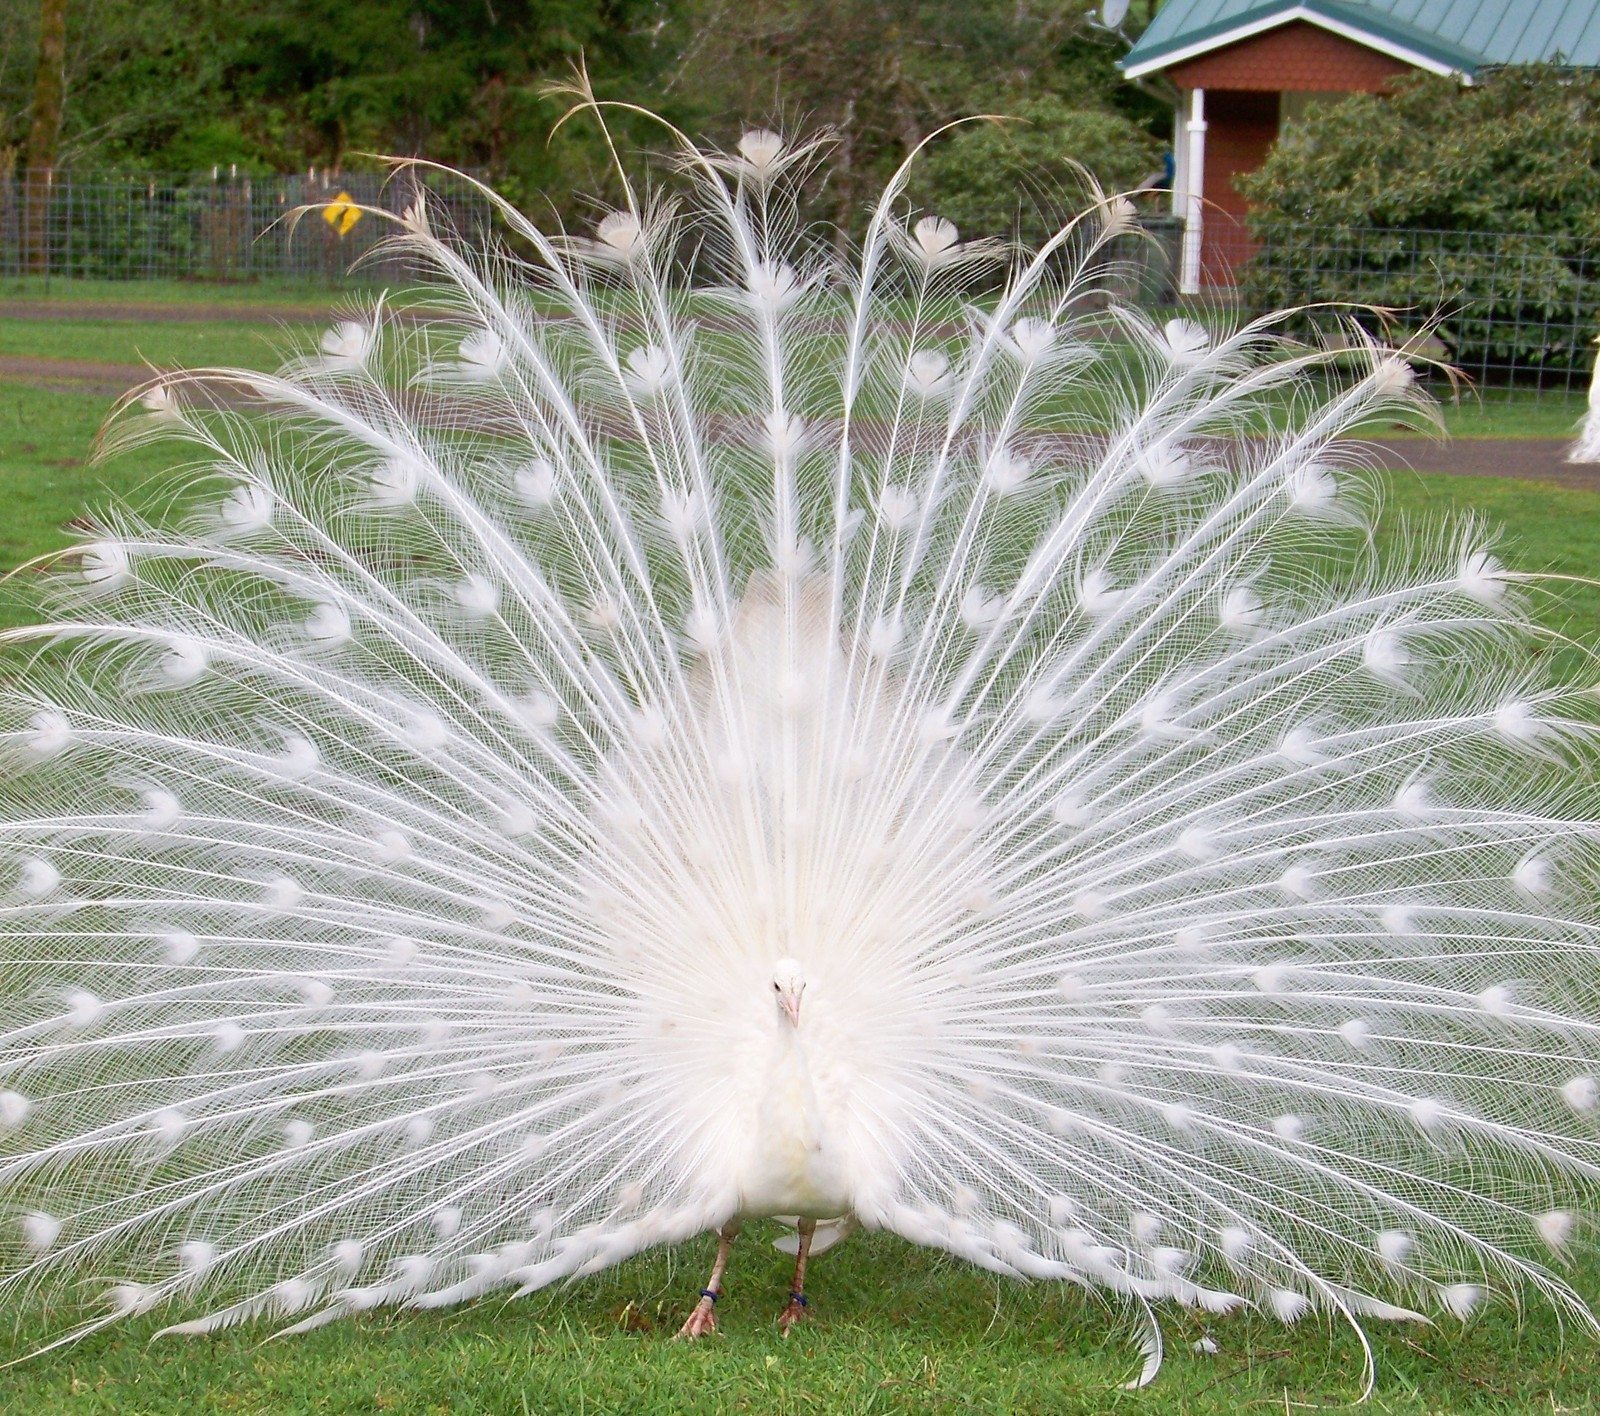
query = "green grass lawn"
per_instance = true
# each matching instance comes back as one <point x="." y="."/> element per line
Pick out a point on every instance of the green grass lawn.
<point x="1542" y="529"/>
<point x="317" y="294"/>
<point x="894" y="1329"/>
<point x="236" y="343"/>
<point x="48" y="476"/>
<point x="46" y="436"/>
<point x="1515" y="415"/>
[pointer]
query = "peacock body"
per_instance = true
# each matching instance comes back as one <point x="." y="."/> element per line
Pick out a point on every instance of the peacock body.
<point x="625" y="758"/>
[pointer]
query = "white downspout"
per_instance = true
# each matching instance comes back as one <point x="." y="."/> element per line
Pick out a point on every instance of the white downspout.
<point x="1178" y="197"/>
<point x="1194" y="188"/>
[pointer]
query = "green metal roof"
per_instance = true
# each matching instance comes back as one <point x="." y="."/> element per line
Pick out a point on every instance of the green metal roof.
<point x="1446" y="36"/>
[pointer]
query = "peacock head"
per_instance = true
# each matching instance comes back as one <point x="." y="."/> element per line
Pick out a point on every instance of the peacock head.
<point x="788" y="983"/>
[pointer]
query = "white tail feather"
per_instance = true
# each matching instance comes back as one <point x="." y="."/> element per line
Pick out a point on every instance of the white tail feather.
<point x="394" y="858"/>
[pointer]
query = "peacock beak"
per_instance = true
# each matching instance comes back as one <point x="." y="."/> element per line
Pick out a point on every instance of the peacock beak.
<point x="791" y="1006"/>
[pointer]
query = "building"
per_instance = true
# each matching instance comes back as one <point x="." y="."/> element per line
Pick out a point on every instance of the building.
<point x="1244" y="68"/>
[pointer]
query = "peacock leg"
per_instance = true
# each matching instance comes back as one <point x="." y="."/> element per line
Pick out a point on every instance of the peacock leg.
<point x="704" y="1317"/>
<point x="797" y="1290"/>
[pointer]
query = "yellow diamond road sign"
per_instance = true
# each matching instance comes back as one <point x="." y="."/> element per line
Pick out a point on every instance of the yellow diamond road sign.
<point x="342" y="213"/>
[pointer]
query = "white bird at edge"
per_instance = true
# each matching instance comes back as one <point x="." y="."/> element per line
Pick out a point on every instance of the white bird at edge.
<point x="1587" y="446"/>
<point x="627" y="759"/>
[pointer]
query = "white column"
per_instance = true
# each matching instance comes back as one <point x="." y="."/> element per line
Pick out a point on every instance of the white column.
<point x="1179" y="195"/>
<point x="1194" y="193"/>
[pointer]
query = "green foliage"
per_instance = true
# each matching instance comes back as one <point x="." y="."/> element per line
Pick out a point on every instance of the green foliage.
<point x="977" y="175"/>
<point x="1508" y="171"/>
<point x="882" y="74"/>
<point x="275" y="86"/>
<point x="183" y="86"/>
<point x="141" y="75"/>
<point x="457" y="83"/>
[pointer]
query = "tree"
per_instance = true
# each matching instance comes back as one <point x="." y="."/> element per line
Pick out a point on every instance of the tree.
<point x="44" y="129"/>
<point x="456" y="82"/>
<point x="185" y="85"/>
<point x="125" y="62"/>
<point x="883" y="74"/>
<point x="1043" y="152"/>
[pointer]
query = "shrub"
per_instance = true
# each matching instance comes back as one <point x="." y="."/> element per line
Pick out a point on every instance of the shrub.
<point x="971" y="177"/>
<point x="1480" y="203"/>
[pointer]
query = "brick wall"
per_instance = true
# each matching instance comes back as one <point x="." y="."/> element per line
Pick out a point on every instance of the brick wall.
<point x="1293" y="56"/>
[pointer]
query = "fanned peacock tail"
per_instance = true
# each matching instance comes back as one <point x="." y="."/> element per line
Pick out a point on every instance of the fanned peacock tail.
<point x="1196" y="905"/>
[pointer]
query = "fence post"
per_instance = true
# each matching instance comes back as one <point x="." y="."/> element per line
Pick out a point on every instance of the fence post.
<point x="36" y="219"/>
<point x="65" y="263"/>
<point x="10" y="236"/>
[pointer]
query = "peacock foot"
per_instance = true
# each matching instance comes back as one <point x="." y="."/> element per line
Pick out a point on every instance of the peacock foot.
<point x="792" y="1314"/>
<point x="701" y="1320"/>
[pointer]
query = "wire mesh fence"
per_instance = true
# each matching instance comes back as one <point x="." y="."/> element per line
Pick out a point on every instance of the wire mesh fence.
<point x="1514" y="311"/>
<point x="72" y="226"/>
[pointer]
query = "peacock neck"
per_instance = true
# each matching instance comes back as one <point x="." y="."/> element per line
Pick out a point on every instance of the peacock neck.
<point x="793" y="1076"/>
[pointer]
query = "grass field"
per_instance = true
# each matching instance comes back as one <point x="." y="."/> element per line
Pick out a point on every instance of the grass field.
<point x="164" y="345"/>
<point x="1498" y="414"/>
<point x="894" y="1329"/>
<point x="167" y="294"/>
<point x="48" y="426"/>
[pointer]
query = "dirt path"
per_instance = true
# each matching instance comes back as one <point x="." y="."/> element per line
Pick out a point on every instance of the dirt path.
<point x="71" y="375"/>
<point x="1527" y="459"/>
